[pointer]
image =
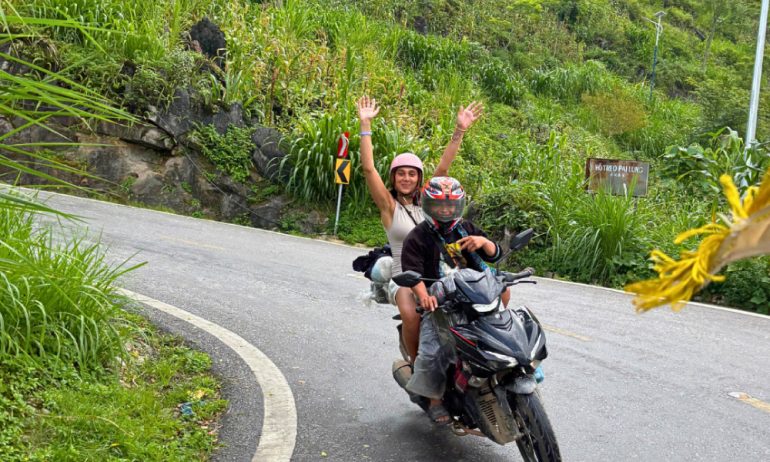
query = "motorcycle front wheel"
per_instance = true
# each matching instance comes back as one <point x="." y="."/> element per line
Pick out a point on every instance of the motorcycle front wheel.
<point x="538" y="442"/>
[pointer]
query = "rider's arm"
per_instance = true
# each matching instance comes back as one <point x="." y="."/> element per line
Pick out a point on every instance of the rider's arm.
<point x="367" y="110"/>
<point x="465" y="118"/>
<point x="426" y="301"/>
<point x="478" y="241"/>
<point x="414" y="254"/>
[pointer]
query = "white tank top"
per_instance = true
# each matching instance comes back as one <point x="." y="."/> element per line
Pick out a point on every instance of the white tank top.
<point x="400" y="227"/>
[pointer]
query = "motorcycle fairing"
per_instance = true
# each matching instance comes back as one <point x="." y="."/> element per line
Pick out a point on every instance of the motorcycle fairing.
<point x="506" y="333"/>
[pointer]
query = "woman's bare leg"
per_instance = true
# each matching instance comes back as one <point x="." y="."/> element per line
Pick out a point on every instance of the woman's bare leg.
<point x="410" y="320"/>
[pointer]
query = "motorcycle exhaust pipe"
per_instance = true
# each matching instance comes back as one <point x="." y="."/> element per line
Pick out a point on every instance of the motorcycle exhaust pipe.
<point x="402" y="372"/>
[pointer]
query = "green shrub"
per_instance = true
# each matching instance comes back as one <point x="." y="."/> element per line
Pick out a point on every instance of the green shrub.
<point x="747" y="286"/>
<point x="724" y="155"/>
<point x="669" y="122"/>
<point x="231" y="152"/>
<point x="52" y="413"/>
<point x="501" y="82"/>
<point x="360" y="226"/>
<point x="723" y="103"/>
<point x="417" y="51"/>
<point x="515" y="207"/>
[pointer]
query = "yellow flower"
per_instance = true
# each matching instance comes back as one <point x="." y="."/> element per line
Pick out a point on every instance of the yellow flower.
<point x="746" y="233"/>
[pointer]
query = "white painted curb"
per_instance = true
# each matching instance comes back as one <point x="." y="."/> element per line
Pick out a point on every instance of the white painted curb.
<point x="279" y="426"/>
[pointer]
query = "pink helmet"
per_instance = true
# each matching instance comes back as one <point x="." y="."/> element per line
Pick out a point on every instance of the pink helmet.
<point x="406" y="159"/>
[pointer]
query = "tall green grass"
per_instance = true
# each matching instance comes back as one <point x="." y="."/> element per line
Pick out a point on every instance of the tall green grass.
<point x="309" y="166"/>
<point x="571" y="82"/>
<point x="57" y="299"/>
<point x="604" y="237"/>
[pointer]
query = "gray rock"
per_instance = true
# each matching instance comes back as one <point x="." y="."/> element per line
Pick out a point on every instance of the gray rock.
<point x="268" y="153"/>
<point x="268" y="215"/>
<point x="223" y="119"/>
<point x="179" y="117"/>
<point x="5" y="126"/>
<point x="52" y="133"/>
<point x="179" y="170"/>
<point x="148" y="188"/>
<point x="233" y="205"/>
<point x="313" y="223"/>
<point x="118" y="159"/>
<point x="184" y="114"/>
<point x="143" y="134"/>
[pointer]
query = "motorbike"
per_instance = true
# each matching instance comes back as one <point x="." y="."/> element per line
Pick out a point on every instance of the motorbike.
<point x="491" y="381"/>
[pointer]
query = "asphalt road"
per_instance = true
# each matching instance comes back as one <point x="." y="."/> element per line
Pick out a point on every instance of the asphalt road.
<point x="619" y="386"/>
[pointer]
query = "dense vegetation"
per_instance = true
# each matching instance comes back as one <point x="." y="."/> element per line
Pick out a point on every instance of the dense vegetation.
<point x="80" y="378"/>
<point x="563" y="80"/>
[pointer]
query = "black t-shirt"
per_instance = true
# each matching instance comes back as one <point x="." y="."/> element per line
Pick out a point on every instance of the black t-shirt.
<point x="421" y="251"/>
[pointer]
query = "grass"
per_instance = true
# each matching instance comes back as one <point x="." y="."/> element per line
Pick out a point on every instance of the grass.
<point x="161" y="403"/>
<point x="57" y="298"/>
<point x="603" y="239"/>
<point x="81" y="379"/>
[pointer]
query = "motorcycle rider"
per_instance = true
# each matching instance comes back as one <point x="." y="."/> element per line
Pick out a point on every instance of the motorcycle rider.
<point x="434" y="248"/>
<point x="399" y="207"/>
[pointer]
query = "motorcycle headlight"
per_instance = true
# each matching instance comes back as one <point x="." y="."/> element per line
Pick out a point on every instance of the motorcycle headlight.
<point x="508" y="360"/>
<point x="488" y="307"/>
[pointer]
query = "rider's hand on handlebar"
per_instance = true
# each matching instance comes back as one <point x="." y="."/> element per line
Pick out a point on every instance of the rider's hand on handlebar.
<point x="429" y="302"/>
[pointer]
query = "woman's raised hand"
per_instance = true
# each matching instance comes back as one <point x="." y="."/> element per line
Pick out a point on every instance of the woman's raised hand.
<point x="466" y="116"/>
<point x="367" y="109"/>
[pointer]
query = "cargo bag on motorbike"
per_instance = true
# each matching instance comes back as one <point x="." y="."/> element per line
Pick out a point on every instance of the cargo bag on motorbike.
<point x="376" y="266"/>
<point x="366" y="263"/>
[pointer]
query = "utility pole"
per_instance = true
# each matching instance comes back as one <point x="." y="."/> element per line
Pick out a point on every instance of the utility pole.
<point x="658" y="30"/>
<point x="751" y="126"/>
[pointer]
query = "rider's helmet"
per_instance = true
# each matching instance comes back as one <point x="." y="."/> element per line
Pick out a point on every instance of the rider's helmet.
<point x="406" y="159"/>
<point x="443" y="202"/>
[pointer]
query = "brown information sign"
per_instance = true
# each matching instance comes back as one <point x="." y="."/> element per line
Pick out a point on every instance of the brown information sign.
<point x="618" y="175"/>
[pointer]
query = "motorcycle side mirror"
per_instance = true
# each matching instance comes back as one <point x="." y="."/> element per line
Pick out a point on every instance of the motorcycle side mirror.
<point x="407" y="278"/>
<point x="520" y="240"/>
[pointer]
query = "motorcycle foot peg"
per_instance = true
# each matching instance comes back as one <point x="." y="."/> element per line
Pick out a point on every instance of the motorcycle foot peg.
<point x="402" y="372"/>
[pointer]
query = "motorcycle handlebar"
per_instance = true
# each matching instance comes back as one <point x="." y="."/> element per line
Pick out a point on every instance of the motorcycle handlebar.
<point x="511" y="277"/>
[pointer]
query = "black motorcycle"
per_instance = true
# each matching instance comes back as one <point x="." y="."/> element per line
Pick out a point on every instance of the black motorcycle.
<point x="491" y="388"/>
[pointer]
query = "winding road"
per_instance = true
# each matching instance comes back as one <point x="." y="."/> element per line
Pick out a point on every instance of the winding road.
<point x="661" y="386"/>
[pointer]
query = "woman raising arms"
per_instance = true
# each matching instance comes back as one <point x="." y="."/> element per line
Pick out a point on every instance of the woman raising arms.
<point x="399" y="207"/>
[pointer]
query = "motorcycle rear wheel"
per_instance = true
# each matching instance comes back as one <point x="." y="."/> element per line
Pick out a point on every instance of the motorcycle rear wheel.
<point x="538" y="443"/>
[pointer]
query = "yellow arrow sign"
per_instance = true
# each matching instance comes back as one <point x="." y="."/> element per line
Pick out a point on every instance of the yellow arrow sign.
<point x="342" y="171"/>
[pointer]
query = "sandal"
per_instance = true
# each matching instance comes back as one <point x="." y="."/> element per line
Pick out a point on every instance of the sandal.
<point x="439" y="415"/>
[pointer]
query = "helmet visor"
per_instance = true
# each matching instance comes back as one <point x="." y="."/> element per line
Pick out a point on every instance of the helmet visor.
<point x="443" y="210"/>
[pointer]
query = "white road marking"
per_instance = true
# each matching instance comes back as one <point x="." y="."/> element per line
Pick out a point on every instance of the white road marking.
<point x="279" y="426"/>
